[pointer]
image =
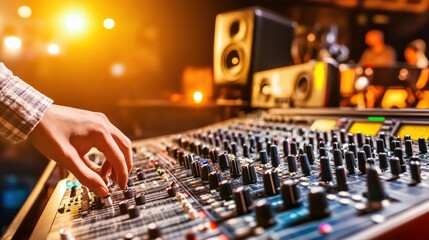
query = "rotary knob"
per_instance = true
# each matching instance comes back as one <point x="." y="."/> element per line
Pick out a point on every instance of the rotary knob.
<point x="249" y="174"/>
<point x="243" y="200"/>
<point x="290" y="194"/>
<point x="318" y="204"/>
<point x="264" y="213"/>
<point x="271" y="182"/>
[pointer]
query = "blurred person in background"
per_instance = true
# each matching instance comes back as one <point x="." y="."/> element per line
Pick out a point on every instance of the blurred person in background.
<point x="379" y="54"/>
<point x="415" y="54"/>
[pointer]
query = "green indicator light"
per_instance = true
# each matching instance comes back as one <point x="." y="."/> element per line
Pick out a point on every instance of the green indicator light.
<point x="376" y="119"/>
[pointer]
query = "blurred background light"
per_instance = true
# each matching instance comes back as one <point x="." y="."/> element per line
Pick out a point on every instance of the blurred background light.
<point x="75" y="23"/>
<point x="198" y="97"/>
<point x="24" y="11"/>
<point x="117" y="69"/>
<point x="12" y="43"/>
<point x="109" y="23"/>
<point x="53" y="49"/>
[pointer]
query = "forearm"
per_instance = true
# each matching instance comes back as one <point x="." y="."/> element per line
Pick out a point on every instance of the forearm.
<point x="21" y="106"/>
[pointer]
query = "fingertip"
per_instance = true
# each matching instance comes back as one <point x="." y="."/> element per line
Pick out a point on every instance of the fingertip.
<point x="101" y="191"/>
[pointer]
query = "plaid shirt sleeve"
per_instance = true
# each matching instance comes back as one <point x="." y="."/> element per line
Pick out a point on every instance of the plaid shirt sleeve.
<point x="21" y="106"/>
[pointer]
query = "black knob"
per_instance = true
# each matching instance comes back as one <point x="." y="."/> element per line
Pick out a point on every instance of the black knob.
<point x="263" y="157"/>
<point x="408" y="148"/>
<point x="196" y="169"/>
<point x="140" y="199"/>
<point x="141" y="175"/>
<point x="380" y="146"/>
<point x="353" y="149"/>
<point x="368" y="140"/>
<point x="214" y="155"/>
<point x="290" y="194"/>
<point x="318" y="204"/>
<point x="223" y="161"/>
<point x="350" y="138"/>
<point x="271" y="182"/>
<point x="367" y="149"/>
<point x="323" y="152"/>
<point x="264" y="213"/>
<point x="225" y="190"/>
<point x="73" y="192"/>
<point x="259" y="146"/>
<point x="340" y="173"/>
<point x="361" y="162"/>
<point x="407" y="137"/>
<point x="359" y="139"/>
<point x="338" y="158"/>
<point x="399" y="153"/>
<point x="374" y="185"/>
<point x="343" y="136"/>
<point x="422" y="146"/>
<point x="325" y="170"/>
<point x="293" y="148"/>
<point x="227" y="146"/>
<point x="382" y="159"/>
<point x="350" y="162"/>
<point x="305" y="164"/>
<point x="243" y="200"/>
<point x="392" y="144"/>
<point x="252" y="143"/>
<point x="415" y="171"/>
<point x="133" y="211"/>
<point x="205" y="170"/>
<point x="171" y="190"/>
<point x="130" y="182"/>
<point x="291" y="162"/>
<point x="234" y="167"/>
<point x="395" y="167"/>
<point x="336" y="145"/>
<point x="123" y="207"/>
<point x="206" y="151"/>
<point x="310" y="153"/>
<point x="274" y="155"/>
<point x="189" y="158"/>
<point x="234" y="148"/>
<point x="180" y="158"/>
<point x="128" y="193"/>
<point x="214" y="179"/>
<point x="249" y="174"/>
<point x="246" y="151"/>
<point x="153" y="231"/>
<point x="286" y="147"/>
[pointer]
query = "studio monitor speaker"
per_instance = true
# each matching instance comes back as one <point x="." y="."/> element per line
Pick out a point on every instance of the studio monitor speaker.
<point x="247" y="41"/>
<point x="313" y="84"/>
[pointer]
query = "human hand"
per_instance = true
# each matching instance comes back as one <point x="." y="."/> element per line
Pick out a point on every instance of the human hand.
<point x="66" y="134"/>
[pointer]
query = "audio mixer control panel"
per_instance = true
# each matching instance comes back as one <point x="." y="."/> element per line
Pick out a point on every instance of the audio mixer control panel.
<point x="285" y="174"/>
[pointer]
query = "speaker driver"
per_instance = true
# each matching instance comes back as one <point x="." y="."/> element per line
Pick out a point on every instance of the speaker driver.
<point x="303" y="87"/>
<point x="232" y="61"/>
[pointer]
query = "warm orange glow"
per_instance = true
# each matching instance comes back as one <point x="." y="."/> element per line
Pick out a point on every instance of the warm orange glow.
<point x="394" y="98"/>
<point x="12" y="43"/>
<point x="319" y="75"/>
<point x="117" y="69"/>
<point x="198" y="97"/>
<point x="53" y="49"/>
<point x="109" y="23"/>
<point x="24" y="11"/>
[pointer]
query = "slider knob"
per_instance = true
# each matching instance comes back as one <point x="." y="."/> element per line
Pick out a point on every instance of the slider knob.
<point x="141" y="175"/>
<point x="225" y="190"/>
<point x="205" y="170"/>
<point x="422" y="146"/>
<point x="123" y="207"/>
<point x="214" y="179"/>
<point x="291" y="163"/>
<point x="234" y="168"/>
<point x="350" y="162"/>
<point x="223" y="161"/>
<point x="408" y="148"/>
<point x="374" y="185"/>
<point x="128" y="193"/>
<point x="340" y="173"/>
<point x="338" y="158"/>
<point x="196" y="169"/>
<point x="415" y="171"/>
<point x="249" y="174"/>
<point x="271" y="182"/>
<point x="274" y="155"/>
<point x="264" y="213"/>
<point x="263" y="157"/>
<point x="290" y="194"/>
<point x="140" y="199"/>
<point x="305" y="164"/>
<point x="325" y="170"/>
<point x="243" y="200"/>
<point x="318" y="204"/>
<point x="133" y="211"/>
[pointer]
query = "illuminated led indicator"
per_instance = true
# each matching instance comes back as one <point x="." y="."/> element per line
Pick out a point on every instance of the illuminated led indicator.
<point x="53" y="49"/>
<point x="325" y="228"/>
<point x="109" y="23"/>
<point x="198" y="97"/>
<point x="24" y="11"/>
<point x="376" y="119"/>
<point x="12" y="43"/>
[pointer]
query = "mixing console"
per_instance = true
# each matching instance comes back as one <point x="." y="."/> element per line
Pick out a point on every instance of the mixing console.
<point x="282" y="174"/>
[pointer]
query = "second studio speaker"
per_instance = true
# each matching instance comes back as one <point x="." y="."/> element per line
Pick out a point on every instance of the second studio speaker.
<point x="248" y="40"/>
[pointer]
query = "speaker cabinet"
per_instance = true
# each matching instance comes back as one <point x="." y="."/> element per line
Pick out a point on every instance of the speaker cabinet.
<point x="313" y="84"/>
<point x="247" y="41"/>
